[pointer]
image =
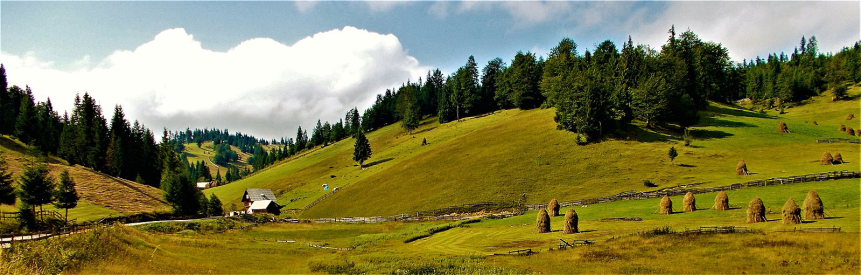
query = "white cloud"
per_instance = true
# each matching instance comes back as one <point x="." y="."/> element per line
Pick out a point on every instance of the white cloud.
<point x="305" y="6"/>
<point x="748" y="29"/>
<point x="261" y="86"/>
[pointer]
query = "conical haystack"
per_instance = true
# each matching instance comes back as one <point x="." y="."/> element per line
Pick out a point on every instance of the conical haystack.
<point x="721" y="201"/>
<point x="813" y="208"/>
<point x="741" y="168"/>
<point x="827" y="159"/>
<point x="838" y="158"/>
<point x="791" y="212"/>
<point x="783" y="128"/>
<point x="850" y="131"/>
<point x="842" y="128"/>
<point x="543" y="221"/>
<point x="690" y="202"/>
<point x="666" y="206"/>
<point x="756" y="211"/>
<point x="571" y="222"/>
<point x="553" y="207"/>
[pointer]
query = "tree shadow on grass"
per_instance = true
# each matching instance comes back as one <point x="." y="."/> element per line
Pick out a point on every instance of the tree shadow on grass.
<point x="708" y="134"/>
<point x="687" y="165"/>
<point x="717" y="122"/>
<point x="736" y="111"/>
<point x="423" y="130"/>
<point x="642" y="134"/>
<point x="378" y="162"/>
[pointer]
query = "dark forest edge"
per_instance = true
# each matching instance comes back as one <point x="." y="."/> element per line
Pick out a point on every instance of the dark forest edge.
<point x="593" y="94"/>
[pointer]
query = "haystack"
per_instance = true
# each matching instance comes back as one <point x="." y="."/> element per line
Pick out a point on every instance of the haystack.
<point x="553" y="206"/>
<point x="850" y="131"/>
<point x="813" y="209"/>
<point x="666" y="206"/>
<point x="791" y="212"/>
<point x="721" y="201"/>
<point x="690" y="202"/>
<point x="783" y="128"/>
<point x="827" y="159"/>
<point x="741" y="168"/>
<point x="838" y="158"/>
<point x="842" y="128"/>
<point x="543" y="221"/>
<point x="850" y="116"/>
<point x="571" y="222"/>
<point x="756" y="211"/>
<point x="814" y="123"/>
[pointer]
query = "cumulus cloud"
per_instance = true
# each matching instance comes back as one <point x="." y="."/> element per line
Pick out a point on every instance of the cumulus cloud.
<point x="260" y="86"/>
<point x="749" y="29"/>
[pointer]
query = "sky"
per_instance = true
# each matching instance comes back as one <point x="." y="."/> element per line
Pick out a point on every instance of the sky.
<point x="264" y="68"/>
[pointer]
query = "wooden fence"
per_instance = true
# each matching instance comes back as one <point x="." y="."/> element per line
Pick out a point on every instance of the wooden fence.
<point x="839" y="140"/>
<point x="8" y="240"/>
<point x="683" y="189"/>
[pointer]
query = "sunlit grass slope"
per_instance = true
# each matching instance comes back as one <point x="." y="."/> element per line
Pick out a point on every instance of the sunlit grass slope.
<point x="501" y="156"/>
<point x="206" y="153"/>
<point x="101" y="195"/>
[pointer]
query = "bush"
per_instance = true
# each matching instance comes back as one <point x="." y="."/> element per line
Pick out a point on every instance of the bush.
<point x="649" y="183"/>
<point x="334" y="267"/>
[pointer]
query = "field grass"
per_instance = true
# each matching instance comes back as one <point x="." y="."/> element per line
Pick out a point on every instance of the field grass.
<point x="501" y="156"/>
<point x="206" y="153"/>
<point x="101" y="195"/>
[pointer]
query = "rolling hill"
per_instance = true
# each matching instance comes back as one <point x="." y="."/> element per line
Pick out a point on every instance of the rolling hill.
<point x="101" y="195"/>
<point x="206" y="153"/>
<point x="500" y="156"/>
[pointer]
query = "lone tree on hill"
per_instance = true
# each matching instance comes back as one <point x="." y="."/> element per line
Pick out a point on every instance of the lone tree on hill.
<point x="673" y="154"/>
<point x="362" y="149"/>
<point x="36" y="186"/>
<point x="7" y="191"/>
<point x="553" y="206"/>
<point x="543" y="221"/>
<point x="65" y="196"/>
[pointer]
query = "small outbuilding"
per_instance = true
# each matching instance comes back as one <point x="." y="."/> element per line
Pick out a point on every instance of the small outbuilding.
<point x="260" y="201"/>
<point x="204" y="184"/>
<point x="263" y="207"/>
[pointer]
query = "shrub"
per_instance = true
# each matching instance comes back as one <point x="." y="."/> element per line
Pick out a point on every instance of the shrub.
<point x="690" y="202"/>
<point x="838" y="92"/>
<point x="543" y="221"/>
<point x="826" y="159"/>
<point x="721" y="201"/>
<point x="571" y="222"/>
<point x="791" y="212"/>
<point x="741" y="168"/>
<point x="553" y="206"/>
<point x="649" y="183"/>
<point x="666" y="206"/>
<point x="756" y="211"/>
<point x="813" y="208"/>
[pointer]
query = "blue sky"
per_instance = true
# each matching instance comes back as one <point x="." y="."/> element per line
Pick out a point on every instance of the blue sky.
<point x="60" y="48"/>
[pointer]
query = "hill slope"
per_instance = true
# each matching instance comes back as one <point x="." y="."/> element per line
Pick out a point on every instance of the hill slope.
<point x="101" y="195"/>
<point x="498" y="157"/>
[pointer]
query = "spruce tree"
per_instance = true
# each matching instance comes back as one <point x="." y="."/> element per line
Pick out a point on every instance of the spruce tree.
<point x="362" y="149"/>
<point x="36" y="186"/>
<point x="7" y="191"/>
<point x="65" y="196"/>
<point x="215" y="207"/>
<point x="672" y="153"/>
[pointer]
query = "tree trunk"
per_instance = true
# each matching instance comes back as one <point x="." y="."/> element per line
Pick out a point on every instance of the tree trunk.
<point x="67" y="216"/>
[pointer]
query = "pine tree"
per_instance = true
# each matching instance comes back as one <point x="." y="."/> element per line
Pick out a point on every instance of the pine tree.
<point x="410" y="109"/>
<point x="215" y="207"/>
<point x="7" y="191"/>
<point x="36" y="186"/>
<point x="362" y="149"/>
<point x="672" y="153"/>
<point x="65" y="196"/>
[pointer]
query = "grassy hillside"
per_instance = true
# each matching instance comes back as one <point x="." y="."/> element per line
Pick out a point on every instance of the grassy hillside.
<point x="501" y="156"/>
<point x="101" y="195"/>
<point x="467" y="247"/>
<point x="206" y="153"/>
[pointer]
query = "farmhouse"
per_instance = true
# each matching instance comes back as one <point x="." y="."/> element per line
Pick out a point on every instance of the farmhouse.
<point x="260" y="201"/>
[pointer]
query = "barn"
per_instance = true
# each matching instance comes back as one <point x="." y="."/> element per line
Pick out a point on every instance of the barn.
<point x="258" y="201"/>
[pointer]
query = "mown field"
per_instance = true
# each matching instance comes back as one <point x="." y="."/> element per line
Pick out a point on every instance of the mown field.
<point x="101" y="195"/>
<point x="501" y="156"/>
<point x="468" y="247"/>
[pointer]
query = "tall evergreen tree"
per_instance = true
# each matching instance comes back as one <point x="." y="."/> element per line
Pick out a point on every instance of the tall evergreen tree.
<point x="36" y="186"/>
<point x="409" y="107"/>
<point x="65" y="196"/>
<point x="7" y="191"/>
<point x="215" y="207"/>
<point x="362" y="149"/>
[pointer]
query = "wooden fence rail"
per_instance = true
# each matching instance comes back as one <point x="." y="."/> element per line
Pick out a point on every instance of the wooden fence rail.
<point x="839" y="140"/>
